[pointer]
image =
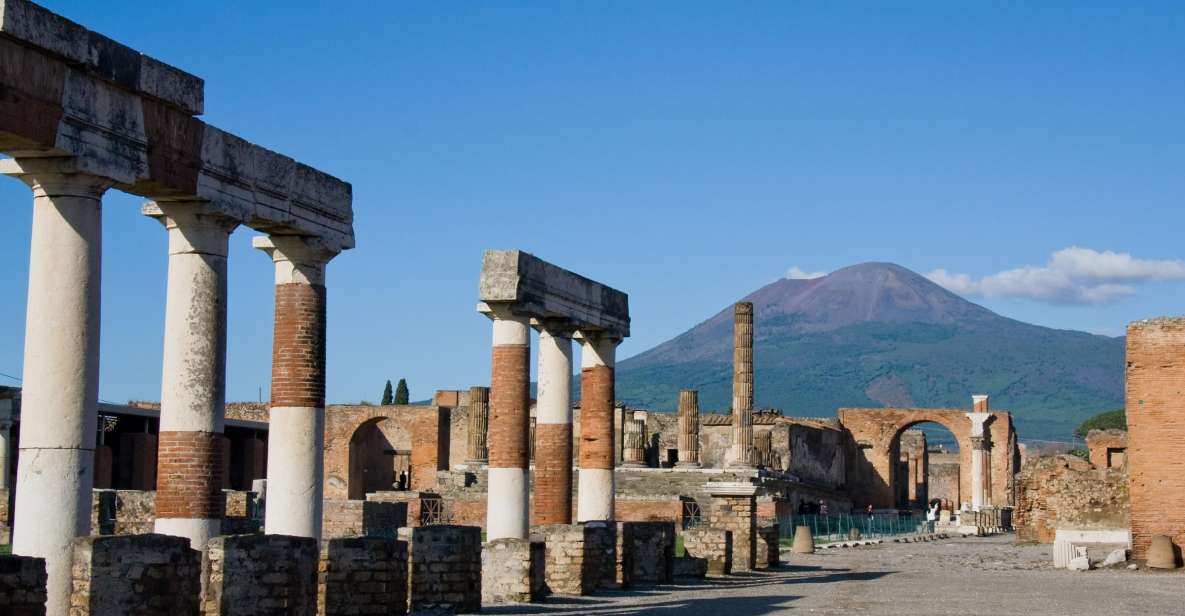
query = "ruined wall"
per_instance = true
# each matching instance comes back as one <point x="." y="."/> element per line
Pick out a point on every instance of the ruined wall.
<point x="817" y="452"/>
<point x="1108" y="448"/>
<point x="1156" y="430"/>
<point x="352" y="518"/>
<point x="133" y="512"/>
<point x="1066" y="492"/>
<point x="362" y="576"/>
<point x="22" y="585"/>
<point x="942" y="478"/>
<point x="146" y="575"/>
<point x="422" y="431"/>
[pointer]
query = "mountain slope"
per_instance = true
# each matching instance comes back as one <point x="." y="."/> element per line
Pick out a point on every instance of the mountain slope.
<point x="877" y="334"/>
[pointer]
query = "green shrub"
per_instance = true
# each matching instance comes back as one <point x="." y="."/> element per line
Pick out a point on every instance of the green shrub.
<point x="1103" y="421"/>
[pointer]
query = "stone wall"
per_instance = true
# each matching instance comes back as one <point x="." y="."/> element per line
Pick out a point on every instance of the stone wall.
<point x="512" y="571"/>
<point x="739" y="515"/>
<point x="573" y="562"/>
<point x="1065" y="492"/>
<point x="650" y="547"/>
<point x="1108" y="448"/>
<point x="362" y="575"/>
<point x="444" y="568"/>
<point x="1156" y="430"/>
<point x="768" y="547"/>
<point x="260" y="575"/>
<point x="146" y="575"/>
<point x="942" y="477"/>
<point x="817" y="452"/>
<point x="352" y="518"/>
<point x="22" y="586"/>
<point x="714" y="545"/>
<point x="122" y="512"/>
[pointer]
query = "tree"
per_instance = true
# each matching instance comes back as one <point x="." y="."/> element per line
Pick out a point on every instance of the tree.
<point x="1102" y="421"/>
<point x="388" y="398"/>
<point x="401" y="395"/>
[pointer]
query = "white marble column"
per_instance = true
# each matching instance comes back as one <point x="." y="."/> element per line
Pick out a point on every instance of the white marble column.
<point x="61" y="367"/>
<point x="981" y="488"/>
<point x="595" y="491"/>
<point x="5" y="453"/>
<point x="189" y="499"/>
<point x="296" y="437"/>
<point x="507" y="511"/>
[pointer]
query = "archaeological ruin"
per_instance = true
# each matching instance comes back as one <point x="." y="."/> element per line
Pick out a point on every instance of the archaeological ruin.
<point x="484" y="495"/>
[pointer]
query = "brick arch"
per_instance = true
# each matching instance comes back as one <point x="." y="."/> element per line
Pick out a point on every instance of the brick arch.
<point x="421" y="429"/>
<point x="875" y="438"/>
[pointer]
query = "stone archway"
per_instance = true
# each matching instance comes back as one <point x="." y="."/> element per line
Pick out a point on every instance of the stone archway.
<point x="876" y="434"/>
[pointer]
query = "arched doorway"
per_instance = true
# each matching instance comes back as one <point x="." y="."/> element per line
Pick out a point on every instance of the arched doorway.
<point x="926" y="466"/>
<point x="372" y="460"/>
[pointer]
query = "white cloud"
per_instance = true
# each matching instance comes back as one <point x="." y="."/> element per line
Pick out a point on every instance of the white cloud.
<point x="796" y="273"/>
<point x="1073" y="275"/>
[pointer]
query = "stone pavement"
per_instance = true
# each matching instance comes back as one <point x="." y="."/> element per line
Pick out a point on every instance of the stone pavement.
<point x="955" y="576"/>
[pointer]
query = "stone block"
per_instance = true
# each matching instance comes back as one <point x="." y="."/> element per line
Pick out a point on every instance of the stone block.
<point x="260" y="575"/>
<point x="362" y="575"/>
<point x="768" y="546"/>
<point x="145" y="575"/>
<point x="444" y="568"/>
<point x="648" y="550"/>
<point x="690" y="567"/>
<point x="512" y="571"/>
<point x="578" y="557"/>
<point x="357" y="518"/>
<point x="22" y="585"/>
<point x="712" y="545"/>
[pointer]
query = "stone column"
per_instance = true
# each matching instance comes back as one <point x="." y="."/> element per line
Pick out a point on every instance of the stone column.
<point x="509" y="431"/>
<point x="553" y="426"/>
<point x="479" y="420"/>
<point x="596" y="484"/>
<point x="740" y="454"/>
<point x="296" y="436"/>
<point x="61" y="367"/>
<point x="688" y="429"/>
<point x="981" y="466"/>
<point x="189" y="474"/>
<point x="5" y="453"/>
<point x="634" y="452"/>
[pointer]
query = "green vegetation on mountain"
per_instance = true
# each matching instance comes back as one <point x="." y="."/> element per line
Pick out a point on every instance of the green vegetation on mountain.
<point x="1111" y="420"/>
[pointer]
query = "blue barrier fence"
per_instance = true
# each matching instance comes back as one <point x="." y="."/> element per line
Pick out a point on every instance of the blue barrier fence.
<point x="838" y="526"/>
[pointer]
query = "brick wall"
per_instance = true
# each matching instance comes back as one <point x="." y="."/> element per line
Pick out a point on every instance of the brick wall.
<point x="260" y="575"/>
<point x="1156" y="430"/>
<point x="737" y="514"/>
<point x="444" y="568"/>
<point x="1107" y="448"/>
<point x="22" y="586"/>
<point x="1065" y="492"/>
<point x="366" y="575"/>
<point x="714" y="545"/>
<point x="352" y="518"/>
<point x="638" y="509"/>
<point x="146" y="575"/>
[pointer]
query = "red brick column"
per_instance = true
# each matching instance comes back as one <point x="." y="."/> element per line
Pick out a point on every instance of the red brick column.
<point x="1156" y="430"/>
<point x="597" y="398"/>
<point x="297" y="416"/>
<point x="509" y="427"/>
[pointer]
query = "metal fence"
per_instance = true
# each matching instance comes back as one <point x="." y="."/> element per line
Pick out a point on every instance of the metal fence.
<point x="838" y="526"/>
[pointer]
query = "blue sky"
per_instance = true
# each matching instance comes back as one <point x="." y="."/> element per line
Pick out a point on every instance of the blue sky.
<point x="684" y="152"/>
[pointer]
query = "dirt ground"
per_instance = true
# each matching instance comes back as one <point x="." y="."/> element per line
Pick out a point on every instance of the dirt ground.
<point x="973" y="576"/>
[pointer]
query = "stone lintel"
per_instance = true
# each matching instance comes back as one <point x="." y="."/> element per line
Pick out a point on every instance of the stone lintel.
<point x="730" y="488"/>
<point x="540" y="289"/>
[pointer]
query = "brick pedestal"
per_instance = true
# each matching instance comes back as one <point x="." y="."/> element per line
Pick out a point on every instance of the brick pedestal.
<point x="734" y="508"/>
<point x="444" y="568"/>
<point x="261" y="575"/>
<point x="22" y="586"/>
<point x="366" y="575"/>
<point x="512" y="571"/>
<point x="647" y="549"/>
<point x="146" y="575"/>
<point x="768" y="547"/>
<point x="713" y="545"/>
<point x="574" y="557"/>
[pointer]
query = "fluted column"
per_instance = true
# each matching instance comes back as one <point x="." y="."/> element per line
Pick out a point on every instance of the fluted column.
<point x="189" y="500"/>
<point x="688" y="429"/>
<point x="634" y="452"/>
<point x="741" y="452"/>
<point x="553" y="426"/>
<point x="296" y="434"/>
<point x="596" y="482"/>
<point x="479" y="419"/>
<point x="509" y="431"/>
<point x="61" y="367"/>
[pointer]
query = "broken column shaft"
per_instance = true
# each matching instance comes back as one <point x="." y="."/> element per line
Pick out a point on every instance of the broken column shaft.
<point x="688" y="429"/>
<point x="741" y="452"/>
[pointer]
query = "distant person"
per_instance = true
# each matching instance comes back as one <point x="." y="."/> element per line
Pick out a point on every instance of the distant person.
<point x="868" y="510"/>
<point x="823" y="507"/>
<point x="931" y="517"/>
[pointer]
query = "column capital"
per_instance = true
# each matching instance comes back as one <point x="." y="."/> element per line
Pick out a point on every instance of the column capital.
<point x="192" y="227"/>
<point x="57" y="176"/>
<point x="557" y="328"/>
<point x="298" y="259"/>
<point x="979" y="422"/>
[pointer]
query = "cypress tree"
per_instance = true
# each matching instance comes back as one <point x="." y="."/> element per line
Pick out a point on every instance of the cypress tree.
<point x="388" y="397"/>
<point x="401" y="394"/>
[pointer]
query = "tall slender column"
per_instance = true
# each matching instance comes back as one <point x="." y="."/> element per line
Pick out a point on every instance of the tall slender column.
<point x="297" y="417"/>
<point x="980" y="456"/>
<point x="5" y="454"/>
<point x="509" y="432"/>
<point x="688" y="429"/>
<point x="596" y="485"/>
<point x="479" y="421"/>
<point x="553" y="426"/>
<point x="61" y="367"/>
<point x="741" y="452"/>
<point x="189" y="500"/>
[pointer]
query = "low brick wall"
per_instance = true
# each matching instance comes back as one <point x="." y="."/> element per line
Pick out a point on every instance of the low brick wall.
<point x="362" y="575"/>
<point x="357" y="518"/>
<point x="260" y="575"/>
<point x="445" y="568"/>
<point x="22" y="586"/>
<point x="640" y="509"/>
<point x="1066" y="492"/>
<point x="146" y="575"/>
<point x="512" y="571"/>
<point x="768" y="547"/>
<point x="713" y="545"/>
<point x="650" y="547"/>
<point x="574" y="557"/>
